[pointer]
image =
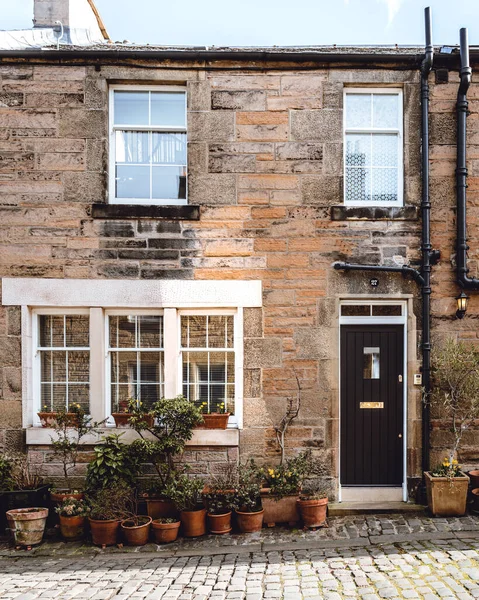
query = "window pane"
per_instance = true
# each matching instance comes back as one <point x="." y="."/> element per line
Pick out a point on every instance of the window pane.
<point x="122" y="331"/>
<point x="169" y="182"/>
<point x="387" y="310"/>
<point x="385" y="110"/>
<point x="132" y="182"/>
<point x="371" y="363"/>
<point x="132" y="147"/>
<point x="385" y="185"/>
<point x="355" y="310"/>
<point x="217" y="331"/>
<point x="169" y="148"/>
<point x="358" y="150"/>
<point x="58" y="396"/>
<point x="131" y="108"/>
<point x="150" y="331"/>
<point x="193" y="331"/>
<point x="79" y="394"/>
<point x="385" y="150"/>
<point x="53" y="366"/>
<point x="358" y="184"/>
<point x="123" y="370"/>
<point x="52" y="331"/>
<point x="78" y="366"/>
<point x="168" y="108"/>
<point x="358" y="110"/>
<point x="77" y="330"/>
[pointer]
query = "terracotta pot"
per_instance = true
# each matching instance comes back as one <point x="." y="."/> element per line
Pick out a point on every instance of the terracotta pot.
<point x="284" y="510"/>
<point x="121" y="419"/>
<point x="137" y="535"/>
<point x="249" y="522"/>
<point x="447" y="497"/>
<point x="157" y="508"/>
<point x="104" y="533"/>
<point x="474" y="477"/>
<point x="313" y="512"/>
<point x="219" y="524"/>
<point x="165" y="532"/>
<point x="215" y="421"/>
<point x="27" y="525"/>
<point x="72" y="528"/>
<point x="48" y="419"/>
<point x="61" y="495"/>
<point x="193" y="522"/>
<point x="475" y="499"/>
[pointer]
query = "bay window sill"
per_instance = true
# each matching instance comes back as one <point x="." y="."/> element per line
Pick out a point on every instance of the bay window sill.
<point x="42" y="436"/>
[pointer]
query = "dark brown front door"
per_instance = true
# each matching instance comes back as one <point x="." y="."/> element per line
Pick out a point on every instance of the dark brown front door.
<point x="372" y="405"/>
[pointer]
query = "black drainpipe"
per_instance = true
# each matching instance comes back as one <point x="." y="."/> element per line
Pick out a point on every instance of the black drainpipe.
<point x="429" y="256"/>
<point x="465" y="282"/>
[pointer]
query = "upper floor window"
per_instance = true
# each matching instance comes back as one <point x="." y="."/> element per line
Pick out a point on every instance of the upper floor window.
<point x="147" y="145"/>
<point x="373" y="147"/>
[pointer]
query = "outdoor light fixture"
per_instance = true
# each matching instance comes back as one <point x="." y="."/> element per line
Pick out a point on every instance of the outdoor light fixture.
<point x="461" y="300"/>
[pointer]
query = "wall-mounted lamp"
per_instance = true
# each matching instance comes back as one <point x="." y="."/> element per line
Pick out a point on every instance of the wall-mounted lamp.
<point x="461" y="300"/>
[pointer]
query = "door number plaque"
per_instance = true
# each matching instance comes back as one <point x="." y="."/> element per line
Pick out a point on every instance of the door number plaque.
<point x="371" y="405"/>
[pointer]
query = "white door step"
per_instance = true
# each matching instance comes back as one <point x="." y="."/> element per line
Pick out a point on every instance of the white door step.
<point x="342" y="509"/>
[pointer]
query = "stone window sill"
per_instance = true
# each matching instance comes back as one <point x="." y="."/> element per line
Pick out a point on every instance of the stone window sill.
<point x="374" y="213"/>
<point x="183" y="212"/>
<point x="41" y="436"/>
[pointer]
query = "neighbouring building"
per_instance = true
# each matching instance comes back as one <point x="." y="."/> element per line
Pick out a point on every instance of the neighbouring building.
<point x="169" y="222"/>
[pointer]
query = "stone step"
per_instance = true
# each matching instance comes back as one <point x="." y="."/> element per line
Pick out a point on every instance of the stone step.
<point x="342" y="509"/>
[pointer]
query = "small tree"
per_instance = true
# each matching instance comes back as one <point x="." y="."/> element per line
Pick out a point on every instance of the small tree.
<point x="292" y="411"/>
<point x="455" y="389"/>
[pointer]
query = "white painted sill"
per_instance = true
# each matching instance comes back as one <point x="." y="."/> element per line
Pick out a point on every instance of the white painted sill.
<point x="42" y="436"/>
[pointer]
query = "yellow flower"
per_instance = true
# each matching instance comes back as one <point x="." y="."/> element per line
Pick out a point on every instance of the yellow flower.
<point x="271" y="471"/>
<point x="454" y="461"/>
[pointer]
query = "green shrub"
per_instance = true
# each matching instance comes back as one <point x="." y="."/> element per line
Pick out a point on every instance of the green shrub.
<point x="186" y="492"/>
<point x="114" y="462"/>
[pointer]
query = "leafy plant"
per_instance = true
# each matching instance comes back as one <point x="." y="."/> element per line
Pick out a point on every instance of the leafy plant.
<point x="455" y="390"/>
<point x="116" y="502"/>
<point x="21" y="474"/>
<point x="165" y="520"/>
<point x="218" y="408"/>
<point x="448" y="469"/>
<point x="114" y="462"/>
<point x="7" y="482"/>
<point x="287" y="478"/>
<point x="172" y="426"/>
<point x="186" y="492"/>
<point x="71" y="507"/>
<point x="221" y="491"/>
<point x="248" y="495"/>
<point x="313" y="490"/>
<point x="69" y="431"/>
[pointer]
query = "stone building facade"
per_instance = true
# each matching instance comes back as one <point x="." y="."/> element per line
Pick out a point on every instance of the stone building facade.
<point x="265" y="220"/>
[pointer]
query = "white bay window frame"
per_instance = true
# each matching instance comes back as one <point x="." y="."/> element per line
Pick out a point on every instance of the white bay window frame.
<point x="398" y="131"/>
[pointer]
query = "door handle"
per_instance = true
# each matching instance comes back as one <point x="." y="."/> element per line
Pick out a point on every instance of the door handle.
<point x="400" y="378"/>
<point x="400" y="435"/>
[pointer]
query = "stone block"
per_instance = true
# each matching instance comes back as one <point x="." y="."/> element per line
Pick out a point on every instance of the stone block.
<point x="197" y="157"/>
<point x="262" y="133"/>
<point x="369" y="76"/>
<point x="54" y="100"/>
<point x="12" y="382"/>
<point x="333" y="95"/>
<point x="262" y="118"/>
<point x="211" y="126"/>
<point x="442" y="128"/>
<point x="117" y="229"/>
<point x="237" y="81"/>
<point x="267" y="182"/>
<point x="314" y="343"/>
<point x="230" y="247"/>
<point x="29" y="118"/>
<point x="11" y="414"/>
<point x="61" y="161"/>
<point x="238" y="100"/>
<point x="281" y="103"/>
<point x="263" y="353"/>
<point x="252" y="383"/>
<point x="60" y="73"/>
<point x="118" y="271"/>
<point x="11" y="161"/>
<point x="84" y="187"/>
<point x="333" y="159"/>
<point x="232" y="163"/>
<point x="212" y="189"/>
<point x="299" y="151"/>
<point x="321" y="189"/>
<point x="316" y="125"/>
<point x="82" y="123"/>
<point x="14" y="320"/>
<point x="199" y="95"/>
<point x="11" y="99"/>
<point x="96" y="93"/>
<point x="148" y="272"/>
<point x="253" y="322"/>
<point x="303" y="85"/>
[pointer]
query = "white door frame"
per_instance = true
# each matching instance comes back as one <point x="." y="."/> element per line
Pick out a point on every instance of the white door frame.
<point x="399" y="320"/>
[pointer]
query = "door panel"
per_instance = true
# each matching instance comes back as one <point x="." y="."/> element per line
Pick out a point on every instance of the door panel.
<point x="372" y="404"/>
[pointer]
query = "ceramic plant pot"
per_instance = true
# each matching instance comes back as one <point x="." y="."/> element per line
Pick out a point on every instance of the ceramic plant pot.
<point x="474" y="478"/>
<point x="27" y="525"/>
<point x="48" y="419"/>
<point x="72" y="528"/>
<point x="193" y="522"/>
<point x="447" y="496"/>
<point x="475" y="500"/>
<point x="313" y="512"/>
<point x="104" y="533"/>
<point x="60" y="495"/>
<point x="165" y="533"/>
<point x="249" y="522"/>
<point x="219" y="524"/>
<point x="157" y="508"/>
<point x="215" y="421"/>
<point x="136" y="534"/>
<point x="121" y="419"/>
<point x="284" y="510"/>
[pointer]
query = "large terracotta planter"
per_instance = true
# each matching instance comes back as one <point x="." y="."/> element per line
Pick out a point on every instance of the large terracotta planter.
<point x="249" y="522"/>
<point x="313" y="512"/>
<point x="104" y="533"/>
<point x="27" y="525"/>
<point x="193" y="522"/>
<point x="72" y="528"/>
<point x="21" y="499"/>
<point x="157" y="508"/>
<point x="136" y="535"/>
<point x="219" y="524"/>
<point x="284" y="510"/>
<point x="61" y="495"/>
<point x="475" y="500"/>
<point x="214" y="421"/>
<point x="447" y="497"/>
<point x="474" y="478"/>
<point x="165" y="533"/>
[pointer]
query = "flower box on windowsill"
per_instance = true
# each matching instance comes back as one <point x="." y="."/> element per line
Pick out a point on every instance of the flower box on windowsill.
<point x="214" y="421"/>
<point x="48" y="419"/>
<point x="122" y="419"/>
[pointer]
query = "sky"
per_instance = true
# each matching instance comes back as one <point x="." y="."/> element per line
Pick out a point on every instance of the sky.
<point x="273" y="22"/>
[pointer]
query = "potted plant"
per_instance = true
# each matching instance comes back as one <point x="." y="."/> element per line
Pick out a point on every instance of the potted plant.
<point x="27" y="526"/>
<point x="214" y="417"/>
<point x="21" y="486"/>
<point x="313" y="504"/>
<point x="126" y="409"/>
<point x="186" y="493"/>
<point x="113" y="462"/>
<point x="135" y="527"/>
<point x="173" y="420"/>
<point x="108" y="507"/>
<point x="66" y="445"/>
<point x="249" y="514"/>
<point x="455" y="398"/>
<point x="48" y="417"/>
<point x="165" y="529"/>
<point x="73" y="514"/>
<point x="282" y="485"/>
<point x="220" y="499"/>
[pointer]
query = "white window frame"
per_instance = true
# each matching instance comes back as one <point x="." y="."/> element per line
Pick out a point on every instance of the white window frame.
<point x="158" y="128"/>
<point x="399" y="131"/>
